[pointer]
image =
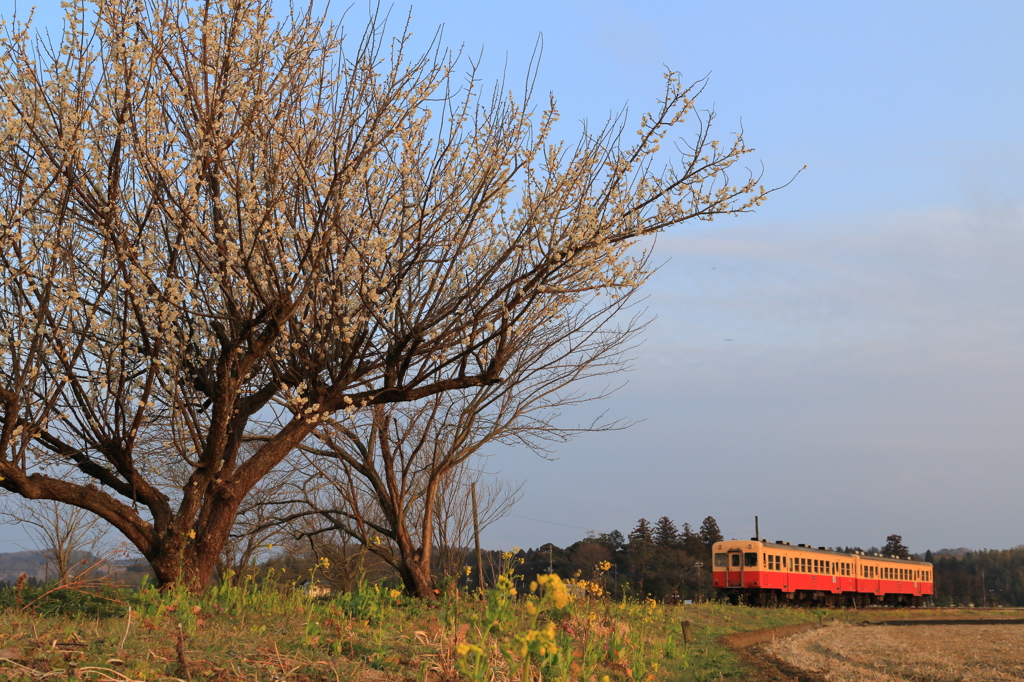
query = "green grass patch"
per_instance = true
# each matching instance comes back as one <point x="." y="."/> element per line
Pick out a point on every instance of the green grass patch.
<point x="262" y="630"/>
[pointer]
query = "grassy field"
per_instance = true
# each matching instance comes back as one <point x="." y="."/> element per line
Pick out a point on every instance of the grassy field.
<point x="938" y="653"/>
<point x="267" y="631"/>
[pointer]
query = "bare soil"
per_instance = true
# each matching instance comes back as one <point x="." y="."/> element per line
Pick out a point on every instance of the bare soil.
<point x="877" y="653"/>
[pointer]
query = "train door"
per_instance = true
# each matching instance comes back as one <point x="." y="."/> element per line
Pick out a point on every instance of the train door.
<point x="734" y="570"/>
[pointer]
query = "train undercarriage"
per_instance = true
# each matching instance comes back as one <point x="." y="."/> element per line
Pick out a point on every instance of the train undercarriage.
<point x="814" y="598"/>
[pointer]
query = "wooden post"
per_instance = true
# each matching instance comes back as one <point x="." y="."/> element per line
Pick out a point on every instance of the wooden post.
<point x="476" y="537"/>
<point x="687" y="635"/>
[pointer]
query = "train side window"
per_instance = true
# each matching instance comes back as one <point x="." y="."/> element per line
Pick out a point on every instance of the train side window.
<point x="750" y="558"/>
<point x="770" y="563"/>
<point x="736" y="560"/>
<point x="721" y="560"/>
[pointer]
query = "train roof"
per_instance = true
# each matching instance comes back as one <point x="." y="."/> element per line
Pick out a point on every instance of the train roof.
<point x="781" y="544"/>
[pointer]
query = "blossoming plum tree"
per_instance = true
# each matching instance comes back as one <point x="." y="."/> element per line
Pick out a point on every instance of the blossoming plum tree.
<point x="214" y="225"/>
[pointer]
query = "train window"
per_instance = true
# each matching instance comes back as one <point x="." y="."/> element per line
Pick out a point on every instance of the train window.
<point x="721" y="560"/>
<point x="750" y="559"/>
<point x="736" y="560"/>
<point x="785" y="562"/>
<point x="828" y="567"/>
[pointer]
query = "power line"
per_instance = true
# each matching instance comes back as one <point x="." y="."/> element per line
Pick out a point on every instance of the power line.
<point x="552" y="523"/>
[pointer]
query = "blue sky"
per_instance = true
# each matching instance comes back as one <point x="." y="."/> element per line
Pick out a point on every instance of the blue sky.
<point x="874" y="382"/>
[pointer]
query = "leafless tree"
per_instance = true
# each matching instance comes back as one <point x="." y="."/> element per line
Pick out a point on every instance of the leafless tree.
<point x="69" y="539"/>
<point x="453" y="523"/>
<point x="214" y="225"/>
<point x="381" y="475"/>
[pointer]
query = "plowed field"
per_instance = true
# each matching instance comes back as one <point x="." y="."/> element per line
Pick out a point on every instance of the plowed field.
<point x="939" y="653"/>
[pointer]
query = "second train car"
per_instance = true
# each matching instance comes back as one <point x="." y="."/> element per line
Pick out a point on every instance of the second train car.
<point x="766" y="573"/>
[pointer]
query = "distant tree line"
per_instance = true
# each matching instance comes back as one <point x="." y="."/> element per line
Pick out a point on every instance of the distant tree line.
<point x="654" y="560"/>
<point x="989" y="577"/>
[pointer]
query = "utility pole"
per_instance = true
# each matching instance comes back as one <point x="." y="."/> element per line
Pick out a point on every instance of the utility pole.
<point x="757" y="531"/>
<point x="476" y="538"/>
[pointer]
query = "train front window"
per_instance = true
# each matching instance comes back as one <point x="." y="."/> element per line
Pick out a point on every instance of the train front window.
<point x="721" y="560"/>
<point x="735" y="560"/>
<point x="750" y="559"/>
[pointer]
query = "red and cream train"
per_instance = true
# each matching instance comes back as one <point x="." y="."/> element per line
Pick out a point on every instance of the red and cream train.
<point x="767" y="573"/>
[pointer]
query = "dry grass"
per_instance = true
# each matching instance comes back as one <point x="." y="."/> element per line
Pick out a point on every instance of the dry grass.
<point x="939" y="653"/>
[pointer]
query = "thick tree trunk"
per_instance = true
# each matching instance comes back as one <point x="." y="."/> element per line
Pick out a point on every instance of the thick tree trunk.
<point x="191" y="561"/>
<point x="414" y="562"/>
<point x="417" y="577"/>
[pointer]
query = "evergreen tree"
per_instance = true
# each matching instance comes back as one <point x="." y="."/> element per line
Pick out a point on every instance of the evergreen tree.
<point x="692" y="543"/>
<point x="710" y="534"/>
<point x="666" y="535"/>
<point x="640" y="553"/>
<point x="641" y="533"/>
<point x="615" y="541"/>
<point x="928" y="556"/>
<point x="894" y="546"/>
